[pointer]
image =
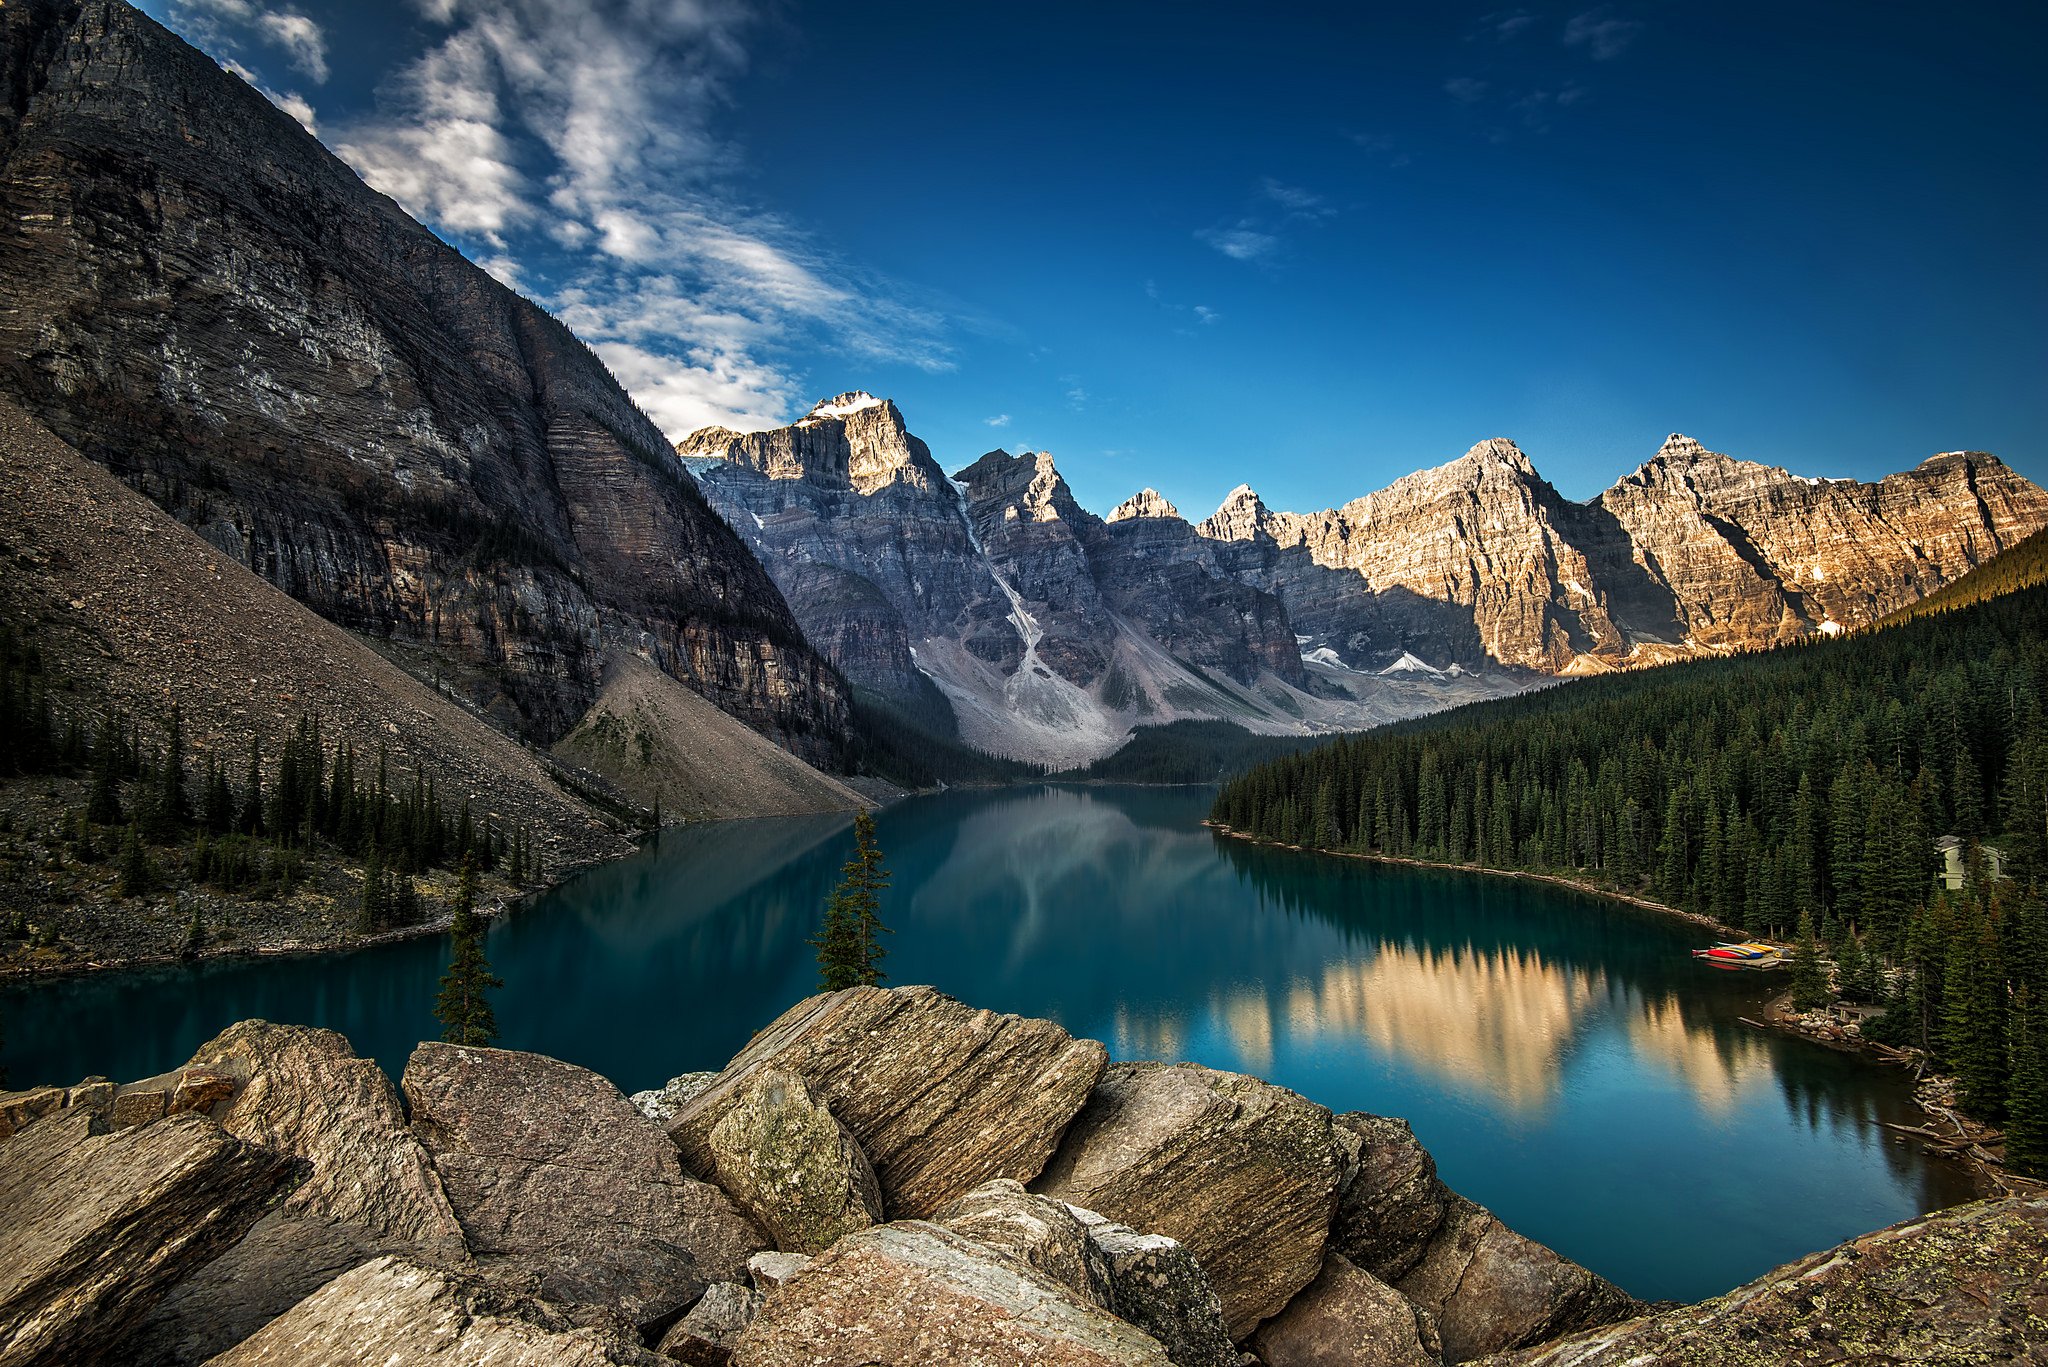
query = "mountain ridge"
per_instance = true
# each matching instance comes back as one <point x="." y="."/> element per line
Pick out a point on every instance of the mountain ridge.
<point x="1475" y="574"/>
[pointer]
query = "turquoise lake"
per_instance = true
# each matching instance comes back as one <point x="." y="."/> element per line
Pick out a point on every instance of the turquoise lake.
<point x="1565" y="1060"/>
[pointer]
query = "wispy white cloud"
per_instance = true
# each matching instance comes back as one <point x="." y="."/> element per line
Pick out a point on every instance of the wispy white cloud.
<point x="999" y="420"/>
<point x="1291" y="197"/>
<point x="1601" y="33"/>
<point x="1466" y="89"/>
<point x="1241" y="243"/>
<point x="302" y="41"/>
<point x="1505" y="25"/>
<point x="222" y="26"/>
<point x="1206" y="315"/>
<point x="536" y="127"/>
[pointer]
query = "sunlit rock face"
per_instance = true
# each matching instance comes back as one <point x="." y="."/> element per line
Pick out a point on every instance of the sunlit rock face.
<point x="196" y="294"/>
<point x="1481" y="560"/>
<point x="995" y="603"/>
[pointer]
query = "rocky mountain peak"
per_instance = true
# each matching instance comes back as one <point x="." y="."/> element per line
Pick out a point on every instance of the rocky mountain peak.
<point x="1501" y="451"/>
<point x="1147" y="502"/>
<point x="850" y="441"/>
<point x="1678" y="446"/>
<point x="1240" y="517"/>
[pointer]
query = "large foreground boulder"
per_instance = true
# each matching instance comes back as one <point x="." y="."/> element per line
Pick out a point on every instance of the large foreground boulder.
<point x="914" y="1292"/>
<point x="98" y="1226"/>
<point x="370" y="1190"/>
<point x="1348" y="1318"/>
<point x="1244" y="1173"/>
<point x="791" y="1166"/>
<point x="941" y="1097"/>
<point x="1487" y="1287"/>
<point x="1968" y="1285"/>
<point x="303" y="1091"/>
<point x="391" y="1313"/>
<point x="562" y="1186"/>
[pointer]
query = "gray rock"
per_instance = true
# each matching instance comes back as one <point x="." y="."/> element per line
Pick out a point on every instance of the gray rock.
<point x="558" y="1180"/>
<point x="99" y="1226"/>
<point x="304" y="1092"/>
<point x="914" y="1292"/>
<point x="1487" y="1287"/>
<point x="660" y="1104"/>
<point x="779" y="1153"/>
<point x="1491" y="1289"/>
<point x="941" y="1097"/>
<point x="1037" y="1230"/>
<point x="770" y="1270"/>
<point x="391" y="1313"/>
<point x="703" y="1337"/>
<point x="1348" y="1318"/>
<point x="1156" y="1284"/>
<point x="1968" y="1285"/>
<point x="1392" y="1203"/>
<point x="1245" y="1174"/>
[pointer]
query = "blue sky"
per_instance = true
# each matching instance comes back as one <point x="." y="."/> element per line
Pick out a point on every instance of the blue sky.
<point x="1307" y="247"/>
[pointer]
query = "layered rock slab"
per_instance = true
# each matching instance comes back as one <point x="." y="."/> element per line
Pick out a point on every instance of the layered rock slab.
<point x="391" y="1313"/>
<point x="99" y="1226"/>
<point x="370" y="1187"/>
<point x="1245" y="1174"/>
<point x="791" y="1166"/>
<point x="915" y="1292"/>
<point x="940" y="1096"/>
<point x="1487" y="1287"/>
<point x="303" y="1091"/>
<point x="560" y="1184"/>
<point x="1348" y="1318"/>
<point x="1967" y="1285"/>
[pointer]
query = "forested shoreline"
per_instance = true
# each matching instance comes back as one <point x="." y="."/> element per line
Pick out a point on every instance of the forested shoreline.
<point x="1796" y="792"/>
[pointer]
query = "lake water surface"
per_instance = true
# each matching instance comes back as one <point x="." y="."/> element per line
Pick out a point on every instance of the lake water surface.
<point x="1565" y="1060"/>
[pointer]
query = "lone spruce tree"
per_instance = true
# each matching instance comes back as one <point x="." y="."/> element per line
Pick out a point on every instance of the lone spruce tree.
<point x="462" y="1009"/>
<point x="1809" y="974"/>
<point x="849" y="946"/>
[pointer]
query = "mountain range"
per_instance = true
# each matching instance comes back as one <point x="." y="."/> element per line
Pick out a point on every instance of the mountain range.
<point x="1049" y="632"/>
<point x="200" y="298"/>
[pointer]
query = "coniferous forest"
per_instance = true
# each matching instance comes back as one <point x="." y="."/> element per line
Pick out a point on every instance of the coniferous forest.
<point x="1799" y="788"/>
<point x="247" y="826"/>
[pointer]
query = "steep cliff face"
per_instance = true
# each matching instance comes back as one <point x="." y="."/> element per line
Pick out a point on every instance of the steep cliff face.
<point x="1047" y="632"/>
<point x="1751" y="555"/>
<point x="1481" y="560"/>
<point x="197" y="295"/>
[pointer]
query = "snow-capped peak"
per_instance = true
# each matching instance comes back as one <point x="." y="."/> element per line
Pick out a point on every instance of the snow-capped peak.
<point x="841" y="406"/>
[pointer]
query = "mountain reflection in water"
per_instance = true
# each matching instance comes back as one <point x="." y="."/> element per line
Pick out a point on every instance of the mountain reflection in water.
<point x="1563" y="1058"/>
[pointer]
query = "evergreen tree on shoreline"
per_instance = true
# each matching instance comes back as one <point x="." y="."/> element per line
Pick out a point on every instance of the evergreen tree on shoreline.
<point x="462" y="1007"/>
<point x="849" y="945"/>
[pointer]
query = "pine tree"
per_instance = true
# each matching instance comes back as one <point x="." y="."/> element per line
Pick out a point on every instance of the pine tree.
<point x="2026" y="1100"/>
<point x="849" y="945"/>
<point x="463" y="1007"/>
<point x="371" y="911"/>
<point x="136" y="874"/>
<point x="1809" y="975"/>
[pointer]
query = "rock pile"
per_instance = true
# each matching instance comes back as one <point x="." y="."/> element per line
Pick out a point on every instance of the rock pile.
<point x="880" y="1176"/>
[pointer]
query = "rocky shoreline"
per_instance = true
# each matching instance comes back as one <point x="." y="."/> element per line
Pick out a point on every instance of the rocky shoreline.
<point x="879" y="1176"/>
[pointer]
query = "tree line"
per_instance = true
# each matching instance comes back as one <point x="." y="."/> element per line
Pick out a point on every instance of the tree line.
<point x="245" y="828"/>
<point x="1794" y="792"/>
